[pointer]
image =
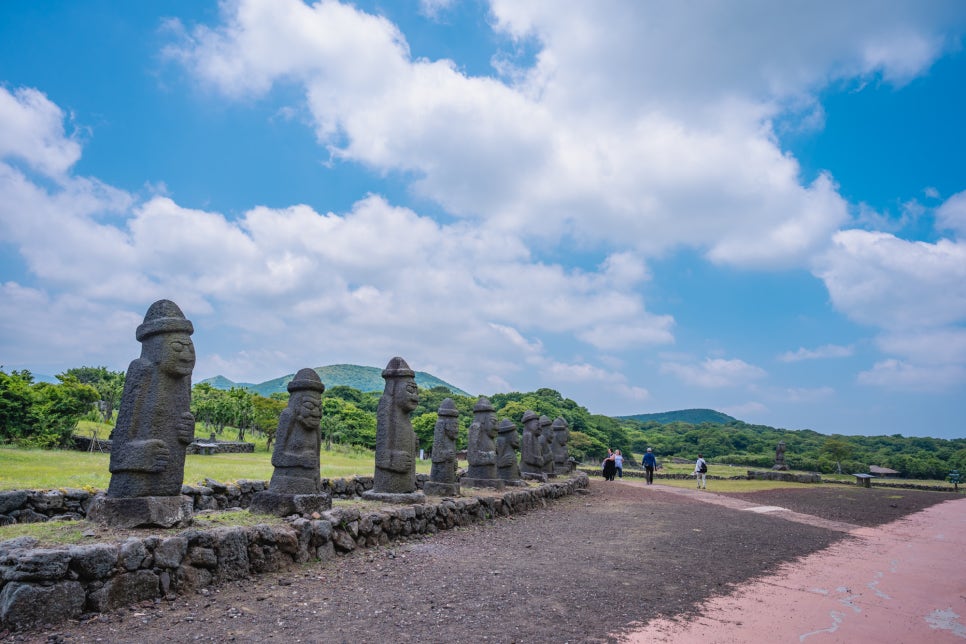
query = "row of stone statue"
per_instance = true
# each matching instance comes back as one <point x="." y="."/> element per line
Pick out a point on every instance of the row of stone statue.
<point x="492" y="449"/>
<point x="155" y="425"/>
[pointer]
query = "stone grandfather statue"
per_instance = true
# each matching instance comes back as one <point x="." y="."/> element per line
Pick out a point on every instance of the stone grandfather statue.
<point x="531" y="454"/>
<point x="154" y="424"/>
<point x="507" y="444"/>
<point x="442" y="476"/>
<point x="561" y="457"/>
<point x="296" y="486"/>
<point x="780" y="457"/>
<point x="153" y="429"/>
<point x="546" y="436"/>
<point x="481" y="447"/>
<point x="297" y="441"/>
<point x="396" y="443"/>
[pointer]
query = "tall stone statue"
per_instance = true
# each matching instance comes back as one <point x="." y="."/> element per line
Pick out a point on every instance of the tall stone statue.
<point x="546" y="436"/>
<point x="154" y="426"/>
<point x="780" y="457"/>
<point x="481" y="447"/>
<point x="442" y="475"/>
<point x="531" y="453"/>
<point x="396" y="442"/>
<point x="296" y="486"/>
<point x="561" y="457"/>
<point x="507" y="444"/>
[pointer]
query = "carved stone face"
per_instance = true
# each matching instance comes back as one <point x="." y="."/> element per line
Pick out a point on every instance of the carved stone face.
<point x="489" y="424"/>
<point x="534" y="426"/>
<point x="514" y="439"/>
<point x="309" y="412"/>
<point x="177" y="354"/>
<point x="406" y="394"/>
<point x="451" y="428"/>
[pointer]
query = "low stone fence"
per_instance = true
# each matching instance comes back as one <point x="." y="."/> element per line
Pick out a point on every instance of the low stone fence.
<point x="48" y="585"/>
<point x="34" y="506"/>
<point x="88" y="444"/>
<point x="777" y="475"/>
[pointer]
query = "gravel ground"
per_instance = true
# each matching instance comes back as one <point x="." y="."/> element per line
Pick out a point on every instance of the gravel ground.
<point x="580" y="570"/>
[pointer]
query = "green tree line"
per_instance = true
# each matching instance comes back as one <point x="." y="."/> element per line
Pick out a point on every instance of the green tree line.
<point x="46" y="414"/>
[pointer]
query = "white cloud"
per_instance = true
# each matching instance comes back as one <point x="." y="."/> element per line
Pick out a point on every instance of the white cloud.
<point x="714" y="372"/>
<point x="951" y="215"/>
<point x="545" y="157"/>
<point x="899" y="375"/>
<point x="376" y="281"/>
<point x="32" y="131"/>
<point x="878" y="279"/>
<point x="819" y="353"/>
<point x="914" y="293"/>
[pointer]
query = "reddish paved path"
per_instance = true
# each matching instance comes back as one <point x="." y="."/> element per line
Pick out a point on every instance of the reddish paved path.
<point x="901" y="582"/>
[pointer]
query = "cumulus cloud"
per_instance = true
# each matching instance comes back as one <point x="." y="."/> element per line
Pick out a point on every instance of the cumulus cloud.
<point x="714" y="372"/>
<point x="914" y="293"/>
<point x="543" y="156"/>
<point x="819" y="353"/>
<point x="951" y="215"/>
<point x="32" y="131"/>
<point x="375" y="281"/>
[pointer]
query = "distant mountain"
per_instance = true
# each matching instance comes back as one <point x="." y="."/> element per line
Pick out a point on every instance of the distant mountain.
<point x="691" y="416"/>
<point x="349" y="375"/>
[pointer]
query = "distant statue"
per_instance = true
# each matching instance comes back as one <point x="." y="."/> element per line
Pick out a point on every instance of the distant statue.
<point x="296" y="486"/>
<point x="780" y="457"/>
<point x="481" y="447"/>
<point x="442" y="475"/>
<point x="297" y="440"/>
<point x="531" y="453"/>
<point x="154" y="424"/>
<point x="546" y="436"/>
<point x="507" y="444"/>
<point x="561" y="457"/>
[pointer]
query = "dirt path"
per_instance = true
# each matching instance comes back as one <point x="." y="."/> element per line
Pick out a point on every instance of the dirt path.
<point x="582" y="570"/>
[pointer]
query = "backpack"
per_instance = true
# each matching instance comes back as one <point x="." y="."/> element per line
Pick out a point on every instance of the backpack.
<point x="704" y="468"/>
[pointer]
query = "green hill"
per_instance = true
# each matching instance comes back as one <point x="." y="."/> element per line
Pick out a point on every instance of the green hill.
<point x="349" y="375"/>
<point x="690" y="416"/>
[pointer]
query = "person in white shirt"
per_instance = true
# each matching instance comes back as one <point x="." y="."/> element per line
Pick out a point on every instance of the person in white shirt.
<point x="700" y="472"/>
<point x="619" y="464"/>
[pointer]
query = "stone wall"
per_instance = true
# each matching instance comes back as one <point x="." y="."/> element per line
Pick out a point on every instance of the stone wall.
<point x="775" y="475"/>
<point x="48" y="585"/>
<point x="34" y="506"/>
<point x="87" y="444"/>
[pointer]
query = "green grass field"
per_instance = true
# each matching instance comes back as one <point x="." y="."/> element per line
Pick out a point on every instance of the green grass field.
<point x="56" y="469"/>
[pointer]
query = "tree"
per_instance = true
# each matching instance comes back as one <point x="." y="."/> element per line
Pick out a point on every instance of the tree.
<point x="17" y="417"/>
<point x="109" y="386"/>
<point x="266" y="412"/>
<point x="58" y="408"/>
<point x="838" y="450"/>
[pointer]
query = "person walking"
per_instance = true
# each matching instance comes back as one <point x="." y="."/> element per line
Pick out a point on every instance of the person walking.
<point x="609" y="468"/>
<point x="701" y="472"/>
<point x="649" y="463"/>
<point x="619" y="464"/>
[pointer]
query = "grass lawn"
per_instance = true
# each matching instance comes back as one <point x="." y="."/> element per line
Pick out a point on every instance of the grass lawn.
<point x="54" y="469"/>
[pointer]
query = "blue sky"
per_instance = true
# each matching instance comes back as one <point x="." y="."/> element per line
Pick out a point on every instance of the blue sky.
<point x="754" y="207"/>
